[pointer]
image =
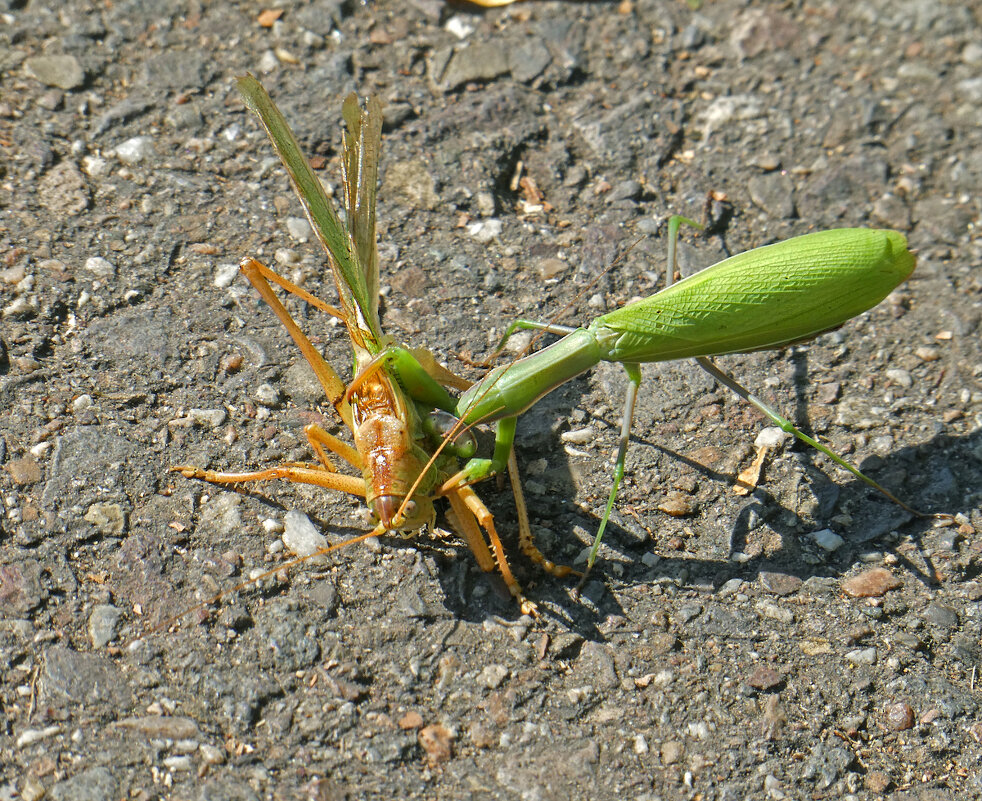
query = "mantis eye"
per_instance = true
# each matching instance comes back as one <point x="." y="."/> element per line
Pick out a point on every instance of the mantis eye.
<point x="439" y="425"/>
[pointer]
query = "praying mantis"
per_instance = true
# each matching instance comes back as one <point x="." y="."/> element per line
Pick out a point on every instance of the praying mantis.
<point x="764" y="298"/>
<point x="399" y="477"/>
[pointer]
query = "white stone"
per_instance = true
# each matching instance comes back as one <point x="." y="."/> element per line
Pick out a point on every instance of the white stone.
<point x="300" y="535"/>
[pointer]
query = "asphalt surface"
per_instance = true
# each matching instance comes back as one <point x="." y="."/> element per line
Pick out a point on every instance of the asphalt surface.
<point x="809" y="640"/>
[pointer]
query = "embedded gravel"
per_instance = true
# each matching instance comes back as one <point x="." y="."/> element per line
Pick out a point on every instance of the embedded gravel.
<point x="809" y="640"/>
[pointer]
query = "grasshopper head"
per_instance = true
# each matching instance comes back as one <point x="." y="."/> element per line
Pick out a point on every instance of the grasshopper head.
<point x="416" y="512"/>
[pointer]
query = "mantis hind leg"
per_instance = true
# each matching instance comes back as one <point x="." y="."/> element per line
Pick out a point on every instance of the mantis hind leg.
<point x="788" y="427"/>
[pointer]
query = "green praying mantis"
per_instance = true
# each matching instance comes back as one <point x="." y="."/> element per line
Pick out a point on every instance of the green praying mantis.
<point x="764" y="298"/>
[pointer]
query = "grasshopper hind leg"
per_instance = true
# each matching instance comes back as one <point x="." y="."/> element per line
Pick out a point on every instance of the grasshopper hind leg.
<point x="470" y="516"/>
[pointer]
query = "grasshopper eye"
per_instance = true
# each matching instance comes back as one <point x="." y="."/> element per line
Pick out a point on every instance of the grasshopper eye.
<point x="387" y="508"/>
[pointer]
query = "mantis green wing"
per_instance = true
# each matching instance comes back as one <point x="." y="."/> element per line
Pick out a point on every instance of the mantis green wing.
<point x="764" y="298"/>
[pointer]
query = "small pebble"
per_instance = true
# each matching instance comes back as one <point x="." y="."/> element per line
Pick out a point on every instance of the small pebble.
<point x="94" y="166"/>
<point x="878" y="782"/>
<point x="135" y="150"/>
<point x="765" y="678"/>
<point x="300" y="535"/>
<point x="941" y="616"/>
<point x="777" y="583"/>
<point x="459" y="26"/>
<point x="225" y="275"/>
<point x="676" y="505"/>
<point x="898" y="717"/>
<point x="902" y="378"/>
<point x="99" y="267"/>
<point x="299" y="229"/>
<point x="24" y="471"/>
<point x="19" y="309"/>
<point x="267" y="395"/>
<point x="484" y="231"/>
<point x="827" y="539"/>
<point x="774" y="612"/>
<point x="862" y="656"/>
<point x="730" y="587"/>
<point x="492" y="676"/>
<point x="209" y="418"/>
<point x="102" y="624"/>
<point x="437" y="742"/>
<point x="550" y="268"/>
<point x="157" y="724"/>
<point x="815" y="645"/>
<point x="62" y="71"/>
<point x="286" y="257"/>
<point x="178" y="763"/>
<point x="671" y="752"/>
<point x="625" y="190"/>
<point x="411" y="720"/>
<point x="579" y="436"/>
<point x="13" y="275"/>
<point x="107" y="518"/>
<point x="273" y="526"/>
<point x="31" y="736"/>
<point x="871" y="583"/>
<point x="882" y="445"/>
<point x="40" y="450"/>
<point x="597" y="302"/>
<point x="268" y="62"/>
<point x="771" y="437"/>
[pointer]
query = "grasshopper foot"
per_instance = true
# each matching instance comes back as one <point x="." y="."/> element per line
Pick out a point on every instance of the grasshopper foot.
<point x="187" y="471"/>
